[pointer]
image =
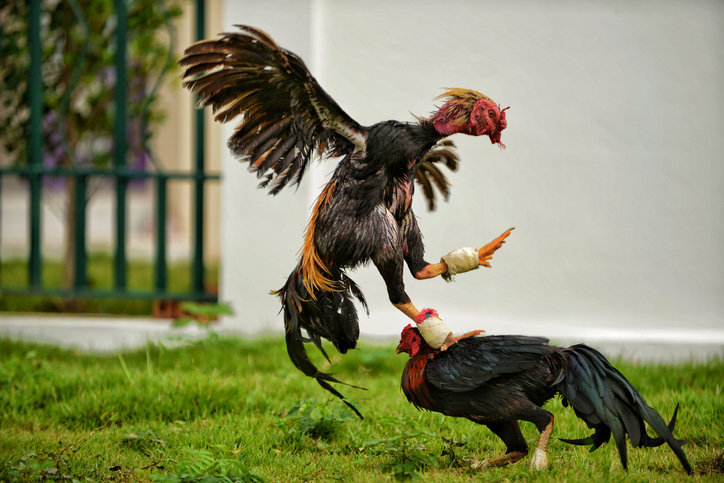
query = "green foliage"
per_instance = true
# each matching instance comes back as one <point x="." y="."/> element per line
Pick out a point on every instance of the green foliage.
<point x="78" y="40"/>
<point x="144" y="441"/>
<point x="406" y="455"/>
<point x="317" y="420"/>
<point x="46" y="467"/>
<point x="202" y="314"/>
<point x="202" y="467"/>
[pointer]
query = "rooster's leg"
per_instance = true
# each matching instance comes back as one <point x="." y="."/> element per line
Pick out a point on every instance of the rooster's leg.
<point x="539" y="461"/>
<point x="432" y="270"/>
<point x="411" y="311"/>
<point x="390" y="263"/>
<point x="391" y="268"/>
<point x="543" y="421"/>
<point x="391" y="257"/>
<point x="516" y="446"/>
<point x="502" y="460"/>
<point x="408" y="309"/>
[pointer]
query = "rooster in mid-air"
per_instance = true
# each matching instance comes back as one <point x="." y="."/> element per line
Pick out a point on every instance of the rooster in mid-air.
<point x="365" y="211"/>
<point x="500" y="380"/>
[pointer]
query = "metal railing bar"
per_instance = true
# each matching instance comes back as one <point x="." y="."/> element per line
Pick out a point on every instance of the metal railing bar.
<point x="105" y="294"/>
<point x="35" y="142"/>
<point x="1" y="206"/>
<point x="81" y="254"/>
<point x="119" y="143"/>
<point x="197" y="273"/>
<point x="160" y="265"/>
<point x="111" y="171"/>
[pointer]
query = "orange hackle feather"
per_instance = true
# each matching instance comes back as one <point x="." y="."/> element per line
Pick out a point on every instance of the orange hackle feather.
<point x="313" y="266"/>
<point x="414" y="379"/>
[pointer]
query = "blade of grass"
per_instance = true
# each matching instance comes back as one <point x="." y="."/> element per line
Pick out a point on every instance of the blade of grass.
<point x="149" y="362"/>
<point x="124" y="366"/>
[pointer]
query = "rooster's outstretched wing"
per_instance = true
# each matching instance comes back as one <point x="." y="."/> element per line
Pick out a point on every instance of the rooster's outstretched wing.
<point x="286" y="115"/>
<point x="474" y="361"/>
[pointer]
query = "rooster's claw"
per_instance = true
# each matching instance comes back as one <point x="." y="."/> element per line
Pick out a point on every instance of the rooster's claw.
<point x="486" y="253"/>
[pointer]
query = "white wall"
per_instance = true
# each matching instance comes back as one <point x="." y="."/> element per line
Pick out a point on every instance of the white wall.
<point x="613" y="175"/>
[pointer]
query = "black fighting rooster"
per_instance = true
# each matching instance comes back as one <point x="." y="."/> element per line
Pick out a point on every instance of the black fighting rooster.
<point x="500" y="380"/>
<point x="364" y="212"/>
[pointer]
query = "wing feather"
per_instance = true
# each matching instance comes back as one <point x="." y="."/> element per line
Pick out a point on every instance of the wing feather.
<point x="476" y="360"/>
<point x="285" y="116"/>
<point x="428" y="173"/>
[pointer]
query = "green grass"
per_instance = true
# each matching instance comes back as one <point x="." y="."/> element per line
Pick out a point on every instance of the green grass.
<point x="140" y="277"/>
<point x="226" y="406"/>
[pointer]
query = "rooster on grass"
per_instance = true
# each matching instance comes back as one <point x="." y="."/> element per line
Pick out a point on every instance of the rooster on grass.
<point x="500" y="380"/>
<point x="364" y="213"/>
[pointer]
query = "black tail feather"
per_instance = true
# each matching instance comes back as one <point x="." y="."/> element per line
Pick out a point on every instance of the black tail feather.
<point x="603" y="398"/>
<point x="602" y="435"/>
<point x="331" y="315"/>
<point x="298" y="355"/>
<point x="654" y="442"/>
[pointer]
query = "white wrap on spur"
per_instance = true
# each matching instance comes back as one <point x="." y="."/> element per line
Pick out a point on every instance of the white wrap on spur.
<point x="460" y="261"/>
<point x="433" y="330"/>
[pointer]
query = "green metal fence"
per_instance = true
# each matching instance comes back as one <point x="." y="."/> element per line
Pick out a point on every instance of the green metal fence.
<point x="34" y="171"/>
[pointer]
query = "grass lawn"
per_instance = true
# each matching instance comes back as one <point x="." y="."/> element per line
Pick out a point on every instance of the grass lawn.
<point x="237" y="410"/>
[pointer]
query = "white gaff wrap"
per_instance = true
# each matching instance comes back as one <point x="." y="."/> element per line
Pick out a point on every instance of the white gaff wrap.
<point x="434" y="331"/>
<point x="460" y="261"/>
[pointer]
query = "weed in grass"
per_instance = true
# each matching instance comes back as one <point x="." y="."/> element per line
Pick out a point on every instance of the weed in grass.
<point x="450" y="451"/>
<point x="405" y="457"/>
<point x="200" y="466"/>
<point x="52" y="466"/>
<point x="713" y="466"/>
<point x="145" y="442"/>
<point x="315" y="419"/>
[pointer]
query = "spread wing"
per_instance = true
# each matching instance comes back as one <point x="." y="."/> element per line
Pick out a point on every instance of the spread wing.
<point x="429" y="175"/>
<point x="285" y="115"/>
<point x="474" y="361"/>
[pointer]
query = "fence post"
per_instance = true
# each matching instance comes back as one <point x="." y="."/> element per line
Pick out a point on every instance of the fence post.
<point x="197" y="274"/>
<point x="81" y="278"/>
<point x="35" y="143"/>
<point x="119" y="144"/>
<point x="161" y="233"/>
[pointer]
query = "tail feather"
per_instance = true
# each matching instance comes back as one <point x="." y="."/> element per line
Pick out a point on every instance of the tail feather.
<point x="298" y="355"/>
<point x="328" y="315"/>
<point x="603" y="398"/>
<point x="650" y="442"/>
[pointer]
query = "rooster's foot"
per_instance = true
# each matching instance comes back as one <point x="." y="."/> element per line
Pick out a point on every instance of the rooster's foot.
<point x="539" y="461"/>
<point x="486" y="253"/>
<point x="502" y="460"/>
<point x="450" y="340"/>
<point x="472" y="333"/>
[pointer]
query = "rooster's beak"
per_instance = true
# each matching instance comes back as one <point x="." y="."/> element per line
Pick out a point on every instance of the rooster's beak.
<point x="398" y="350"/>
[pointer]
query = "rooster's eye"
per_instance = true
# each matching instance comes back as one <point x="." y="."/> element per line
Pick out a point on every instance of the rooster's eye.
<point x="491" y="113"/>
